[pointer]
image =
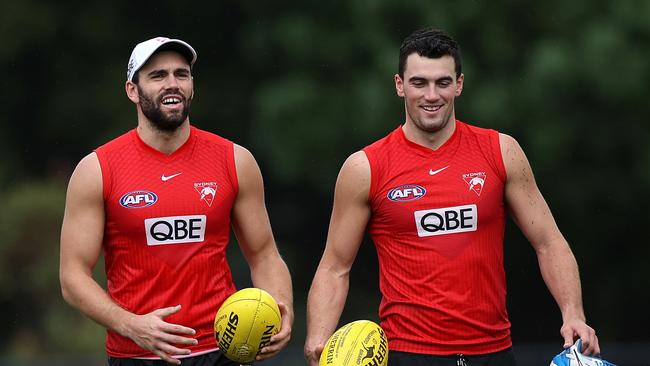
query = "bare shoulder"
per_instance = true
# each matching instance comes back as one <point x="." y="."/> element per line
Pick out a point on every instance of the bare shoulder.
<point x="509" y="145"/>
<point x="514" y="158"/>
<point x="89" y="164"/>
<point x="354" y="177"/>
<point x="243" y="157"/>
<point x="87" y="176"/>
<point x="245" y="163"/>
<point x="358" y="162"/>
<point x="356" y="167"/>
<point x="249" y="176"/>
<point x="85" y="196"/>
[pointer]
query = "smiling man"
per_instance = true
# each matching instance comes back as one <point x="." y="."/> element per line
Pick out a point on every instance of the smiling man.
<point x="159" y="201"/>
<point x="434" y="195"/>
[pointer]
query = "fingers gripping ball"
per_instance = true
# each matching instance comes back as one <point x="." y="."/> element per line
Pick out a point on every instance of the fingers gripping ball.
<point x="360" y="343"/>
<point x="245" y="323"/>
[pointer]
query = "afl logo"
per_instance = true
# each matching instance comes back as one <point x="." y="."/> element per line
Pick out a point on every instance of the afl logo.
<point x="138" y="199"/>
<point x="407" y="192"/>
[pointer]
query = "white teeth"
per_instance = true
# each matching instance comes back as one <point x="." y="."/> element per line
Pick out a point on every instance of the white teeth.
<point x="431" y="108"/>
<point x="171" y="100"/>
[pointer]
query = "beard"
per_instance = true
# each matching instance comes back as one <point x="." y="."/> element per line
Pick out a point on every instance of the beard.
<point x="160" y="120"/>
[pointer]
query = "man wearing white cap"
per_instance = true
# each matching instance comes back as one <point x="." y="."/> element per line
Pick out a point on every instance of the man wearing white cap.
<point x="159" y="201"/>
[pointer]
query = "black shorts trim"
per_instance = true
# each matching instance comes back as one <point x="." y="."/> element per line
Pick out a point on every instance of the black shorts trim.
<point x="209" y="359"/>
<point x="501" y="358"/>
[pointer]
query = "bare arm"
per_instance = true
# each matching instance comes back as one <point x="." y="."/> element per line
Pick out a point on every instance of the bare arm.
<point x="329" y="288"/>
<point x="557" y="263"/>
<point x="81" y="244"/>
<point x="253" y="230"/>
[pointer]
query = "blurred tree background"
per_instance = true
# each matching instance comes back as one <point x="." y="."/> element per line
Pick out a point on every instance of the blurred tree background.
<point x="305" y="84"/>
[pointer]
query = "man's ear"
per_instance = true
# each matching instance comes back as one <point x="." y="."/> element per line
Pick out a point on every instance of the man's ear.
<point x="399" y="85"/>
<point x="132" y="91"/>
<point x="460" y="81"/>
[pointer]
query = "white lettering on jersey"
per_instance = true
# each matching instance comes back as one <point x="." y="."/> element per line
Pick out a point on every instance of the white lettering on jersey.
<point x="175" y="229"/>
<point x="448" y="220"/>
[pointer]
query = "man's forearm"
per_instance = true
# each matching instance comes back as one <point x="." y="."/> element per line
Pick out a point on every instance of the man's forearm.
<point x="560" y="272"/>
<point x="273" y="276"/>
<point x="324" y="307"/>
<point x="85" y="294"/>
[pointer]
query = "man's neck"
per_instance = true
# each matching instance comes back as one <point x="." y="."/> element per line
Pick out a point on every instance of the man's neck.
<point x="431" y="140"/>
<point x="164" y="141"/>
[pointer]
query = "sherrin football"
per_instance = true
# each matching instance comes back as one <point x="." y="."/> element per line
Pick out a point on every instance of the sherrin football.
<point x="245" y="323"/>
<point x="360" y="343"/>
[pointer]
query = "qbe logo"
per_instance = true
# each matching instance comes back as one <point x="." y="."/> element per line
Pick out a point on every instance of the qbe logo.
<point x="175" y="229"/>
<point x="448" y="220"/>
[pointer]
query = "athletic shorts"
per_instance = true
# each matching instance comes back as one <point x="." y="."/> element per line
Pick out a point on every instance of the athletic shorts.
<point x="502" y="358"/>
<point x="209" y="359"/>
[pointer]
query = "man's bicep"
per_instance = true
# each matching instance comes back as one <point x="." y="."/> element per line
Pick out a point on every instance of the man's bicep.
<point x="525" y="202"/>
<point x="345" y="236"/>
<point x="83" y="222"/>
<point x="350" y="213"/>
<point x="250" y="218"/>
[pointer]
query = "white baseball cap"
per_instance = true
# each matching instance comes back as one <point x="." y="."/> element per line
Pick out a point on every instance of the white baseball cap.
<point x="144" y="50"/>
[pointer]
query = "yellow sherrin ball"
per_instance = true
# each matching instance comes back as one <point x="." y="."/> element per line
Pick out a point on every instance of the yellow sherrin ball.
<point x="245" y="323"/>
<point x="360" y="343"/>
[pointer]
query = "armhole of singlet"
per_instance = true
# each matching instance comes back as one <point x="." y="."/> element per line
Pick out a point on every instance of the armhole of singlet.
<point x="105" y="171"/>
<point x="498" y="157"/>
<point x="373" y="174"/>
<point x="232" y="168"/>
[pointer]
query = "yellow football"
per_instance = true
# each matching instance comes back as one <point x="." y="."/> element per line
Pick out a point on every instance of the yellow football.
<point x="360" y="343"/>
<point x="245" y="323"/>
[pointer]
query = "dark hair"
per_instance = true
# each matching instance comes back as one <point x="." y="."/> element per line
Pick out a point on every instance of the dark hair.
<point x="431" y="43"/>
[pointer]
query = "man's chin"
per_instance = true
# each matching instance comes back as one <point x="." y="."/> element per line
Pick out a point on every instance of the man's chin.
<point x="166" y="120"/>
<point x="167" y="126"/>
<point x="432" y="127"/>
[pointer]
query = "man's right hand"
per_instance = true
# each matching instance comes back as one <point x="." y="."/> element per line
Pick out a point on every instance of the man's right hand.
<point x="152" y="333"/>
<point x="312" y="354"/>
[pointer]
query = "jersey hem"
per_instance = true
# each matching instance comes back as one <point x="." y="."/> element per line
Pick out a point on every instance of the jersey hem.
<point x="152" y="357"/>
<point x="444" y="350"/>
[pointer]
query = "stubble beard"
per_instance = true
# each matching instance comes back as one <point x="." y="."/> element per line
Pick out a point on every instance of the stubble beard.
<point x="429" y="126"/>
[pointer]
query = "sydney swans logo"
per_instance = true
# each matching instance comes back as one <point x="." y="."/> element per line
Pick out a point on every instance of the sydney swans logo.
<point x="207" y="191"/>
<point x="475" y="181"/>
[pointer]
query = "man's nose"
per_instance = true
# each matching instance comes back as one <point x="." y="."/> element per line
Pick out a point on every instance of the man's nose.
<point x="171" y="82"/>
<point x="431" y="93"/>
